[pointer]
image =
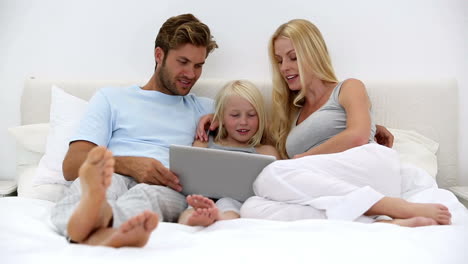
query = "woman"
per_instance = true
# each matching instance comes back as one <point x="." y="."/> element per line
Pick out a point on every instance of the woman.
<point x="316" y="114"/>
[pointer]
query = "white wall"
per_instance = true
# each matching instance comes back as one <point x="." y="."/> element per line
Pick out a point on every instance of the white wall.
<point x="401" y="39"/>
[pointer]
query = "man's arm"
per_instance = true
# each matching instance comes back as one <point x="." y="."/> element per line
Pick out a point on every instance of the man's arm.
<point x="383" y="136"/>
<point x="76" y="155"/>
<point x="142" y="169"/>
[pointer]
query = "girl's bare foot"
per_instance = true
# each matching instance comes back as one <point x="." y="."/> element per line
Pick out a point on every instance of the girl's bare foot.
<point x="205" y="212"/>
<point x="413" y="222"/>
<point x="133" y="233"/>
<point x="93" y="210"/>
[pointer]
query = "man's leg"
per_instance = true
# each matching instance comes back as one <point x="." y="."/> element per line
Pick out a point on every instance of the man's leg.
<point x="135" y="232"/>
<point x="165" y="202"/>
<point x="93" y="211"/>
<point x="64" y="209"/>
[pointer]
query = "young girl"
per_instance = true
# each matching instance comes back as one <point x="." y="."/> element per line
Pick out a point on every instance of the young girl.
<point x="240" y="112"/>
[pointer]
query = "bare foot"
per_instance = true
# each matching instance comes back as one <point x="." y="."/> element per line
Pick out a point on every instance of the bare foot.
<point x="205" y="212"/>
<point x="135" y="232"/>
<point x="93" y="210"/>
<point x="437" y="212"/>
<point x="398" y="208"/>
<point x="199" y="201"/>
<point x="413" y="222"/>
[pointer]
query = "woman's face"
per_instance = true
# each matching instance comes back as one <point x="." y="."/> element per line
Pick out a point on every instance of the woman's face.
<point x="240" y="120"/>
<point x="285" y="55"/>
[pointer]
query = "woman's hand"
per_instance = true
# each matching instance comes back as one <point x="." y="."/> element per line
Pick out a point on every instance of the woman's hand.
<point x="206" y="122"/>
<point x="383" y="136"/>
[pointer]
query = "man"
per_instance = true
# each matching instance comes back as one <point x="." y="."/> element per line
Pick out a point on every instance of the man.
<point x="137" y="124"/>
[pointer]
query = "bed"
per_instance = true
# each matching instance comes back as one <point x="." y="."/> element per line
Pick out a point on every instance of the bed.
<point x="425" y="134"/>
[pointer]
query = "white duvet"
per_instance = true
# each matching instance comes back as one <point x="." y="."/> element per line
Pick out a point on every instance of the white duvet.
<point x="27" y="236"/>
<point x="339" y="186"/>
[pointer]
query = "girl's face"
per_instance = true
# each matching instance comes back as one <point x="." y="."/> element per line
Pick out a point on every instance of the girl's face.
<point x="240" y="120"/>
<point x="285" y="55"/>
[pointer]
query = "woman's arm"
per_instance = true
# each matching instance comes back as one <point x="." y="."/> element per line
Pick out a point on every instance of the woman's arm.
<point x="200" y="144"/>
<point x="354" y="99"/>
<point x="205" y="122"/>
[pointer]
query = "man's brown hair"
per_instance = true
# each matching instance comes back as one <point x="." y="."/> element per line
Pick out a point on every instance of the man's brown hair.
<point x="184" y="29"/>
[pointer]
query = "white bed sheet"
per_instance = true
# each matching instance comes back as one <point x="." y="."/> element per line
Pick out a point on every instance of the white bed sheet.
<point x="27" y="236"/>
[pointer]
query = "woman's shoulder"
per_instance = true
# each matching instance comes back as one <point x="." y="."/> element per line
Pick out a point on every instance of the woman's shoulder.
<point x="353" y="91"/>
<point x="352" y="82"/>
<point x="351" y="87"/>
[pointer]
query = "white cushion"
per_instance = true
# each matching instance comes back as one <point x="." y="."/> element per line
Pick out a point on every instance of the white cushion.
<point x="416" y="149"/>
<point x="30" y="146"/>
<point x="31" y="137"/>
<point x="65" y="113"/>
<point x="49" y="192"/>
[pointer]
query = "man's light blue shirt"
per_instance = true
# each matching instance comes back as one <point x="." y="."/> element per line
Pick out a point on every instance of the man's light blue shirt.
<point x="135" y="122"/>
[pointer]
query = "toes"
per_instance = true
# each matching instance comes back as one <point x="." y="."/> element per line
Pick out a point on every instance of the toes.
<point x="442" y="220"/>
<point x="96" y="154"/>
<point x="107" y="155"/>
<point x="199" y="201"/>
<point x="197" y="212"/>
<point x="125" y="227"/>
<point x="151" y="220"/>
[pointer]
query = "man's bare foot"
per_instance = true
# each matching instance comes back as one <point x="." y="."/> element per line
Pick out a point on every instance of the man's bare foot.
<point x="133" y="233"/>
<point x="413" y="222"/>
<point x="437" y="212"/>
<point x="205" y="212"/>
<point x="93" y="210"/>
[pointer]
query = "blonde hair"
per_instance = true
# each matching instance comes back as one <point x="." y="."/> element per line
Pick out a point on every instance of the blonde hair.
<point x="312" y="58"/>
<point x="249" y="92"/>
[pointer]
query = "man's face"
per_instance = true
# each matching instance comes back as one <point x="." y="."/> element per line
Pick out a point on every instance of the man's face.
<point x="180" y="69"/>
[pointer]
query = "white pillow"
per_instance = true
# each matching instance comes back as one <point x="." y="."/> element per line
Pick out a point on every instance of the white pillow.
<point x="31" y="137"/>
<point x="416" y="149"/>
<point x="49" y="192"/>
<point x="65" y="114"/>
<point x="30" y="147"/>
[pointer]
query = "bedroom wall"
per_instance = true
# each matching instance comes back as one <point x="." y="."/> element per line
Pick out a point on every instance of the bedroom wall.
<point x="113" y="39"/>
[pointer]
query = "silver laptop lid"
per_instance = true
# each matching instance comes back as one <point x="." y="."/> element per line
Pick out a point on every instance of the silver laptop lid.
<point x="216" y="173"/>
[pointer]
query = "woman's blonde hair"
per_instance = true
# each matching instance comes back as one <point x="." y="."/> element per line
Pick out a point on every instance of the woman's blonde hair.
<point x="249" y="92"/>
<point x="312" y="59"/>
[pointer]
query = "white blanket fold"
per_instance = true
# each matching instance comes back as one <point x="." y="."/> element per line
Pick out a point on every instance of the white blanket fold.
<point x="340" y="186"/>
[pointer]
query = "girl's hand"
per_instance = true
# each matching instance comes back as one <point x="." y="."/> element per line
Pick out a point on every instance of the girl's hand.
<point x="206" y="122"/>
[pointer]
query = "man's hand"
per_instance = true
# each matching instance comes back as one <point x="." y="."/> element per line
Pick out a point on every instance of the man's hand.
<point x="147" y="170"/>
<point x="383" y="136"/>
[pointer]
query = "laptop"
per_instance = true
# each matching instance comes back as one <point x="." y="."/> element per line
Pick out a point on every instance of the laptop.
<point x="216" y="173"/>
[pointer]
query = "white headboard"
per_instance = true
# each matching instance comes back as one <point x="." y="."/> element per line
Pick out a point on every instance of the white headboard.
<point x="428" y="107"/>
